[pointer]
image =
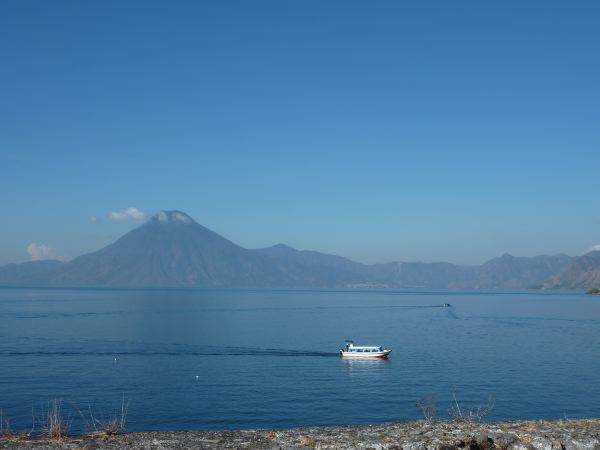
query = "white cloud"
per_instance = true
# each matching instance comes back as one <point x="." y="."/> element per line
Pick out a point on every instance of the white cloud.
<point x="173" y="216"/>
<point x="128" y="214"/>
<point x="95" y="219"/>
<point x="38" y="252"/>
<point x="595" y="248"/>
<point x="182" y="218"/>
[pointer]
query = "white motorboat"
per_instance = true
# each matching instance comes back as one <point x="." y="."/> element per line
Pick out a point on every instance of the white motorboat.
<point x="362" y="351"/>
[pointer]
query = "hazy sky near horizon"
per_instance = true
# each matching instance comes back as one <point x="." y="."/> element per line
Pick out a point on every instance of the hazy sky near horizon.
<point x="427" y="130"/>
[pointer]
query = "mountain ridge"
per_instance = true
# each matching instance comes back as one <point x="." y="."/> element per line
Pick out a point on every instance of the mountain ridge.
<point x="582" y="273"/>
<point x="172" y="250"/>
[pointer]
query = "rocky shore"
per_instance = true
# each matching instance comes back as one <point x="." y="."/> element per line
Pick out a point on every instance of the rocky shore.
<point x="415" y="435"/>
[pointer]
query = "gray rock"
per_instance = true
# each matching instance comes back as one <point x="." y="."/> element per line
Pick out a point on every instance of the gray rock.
<point x="415" y="435"/>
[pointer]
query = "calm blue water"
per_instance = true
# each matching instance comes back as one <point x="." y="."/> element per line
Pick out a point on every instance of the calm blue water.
<point x="241" y="359"/>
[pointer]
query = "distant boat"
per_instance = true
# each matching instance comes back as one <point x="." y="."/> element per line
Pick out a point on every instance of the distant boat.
<point x="354" y="351"/>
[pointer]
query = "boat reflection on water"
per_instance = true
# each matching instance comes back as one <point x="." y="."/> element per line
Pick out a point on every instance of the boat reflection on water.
<point x="370" y="369"/>
<point x="365" y="363"/>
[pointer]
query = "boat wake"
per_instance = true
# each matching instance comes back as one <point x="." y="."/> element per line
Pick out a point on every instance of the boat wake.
<point x="207" y="351"/>
<point x="452" y="315"/>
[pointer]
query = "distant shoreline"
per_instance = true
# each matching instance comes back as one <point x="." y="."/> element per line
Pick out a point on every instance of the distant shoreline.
<point x="400" y="290"/>
<point x="442" y="435"/>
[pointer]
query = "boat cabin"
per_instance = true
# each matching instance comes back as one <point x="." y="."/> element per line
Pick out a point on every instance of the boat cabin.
<point x="351" y="348"/>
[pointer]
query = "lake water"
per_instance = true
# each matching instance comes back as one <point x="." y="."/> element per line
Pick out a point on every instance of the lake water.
<point x="197" y="359"/>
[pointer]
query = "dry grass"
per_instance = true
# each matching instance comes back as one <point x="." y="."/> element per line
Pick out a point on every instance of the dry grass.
<point x="5" y="430"/>
<point x="55" y="426"/>
<point x="456" y="412"/>
<point x="114" y="424"/>
<point x="427" y="407"/>
<point x="8" y="434"/>
<point x="476" y="414"/>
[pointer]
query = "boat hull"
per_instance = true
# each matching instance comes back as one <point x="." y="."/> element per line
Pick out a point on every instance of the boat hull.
<point x="366" y="355"/>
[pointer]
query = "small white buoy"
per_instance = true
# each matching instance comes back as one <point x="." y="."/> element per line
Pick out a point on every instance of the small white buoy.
<point x="197" y="377"/>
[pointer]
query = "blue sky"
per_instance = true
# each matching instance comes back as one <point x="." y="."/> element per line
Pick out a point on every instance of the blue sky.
<point x="428" y="130"/>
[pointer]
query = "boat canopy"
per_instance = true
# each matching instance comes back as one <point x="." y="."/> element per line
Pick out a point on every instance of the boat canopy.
<point x="351" y="347"/>
<point x="365" y="348"/>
